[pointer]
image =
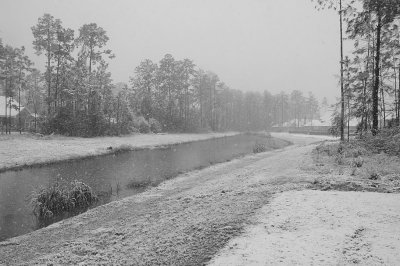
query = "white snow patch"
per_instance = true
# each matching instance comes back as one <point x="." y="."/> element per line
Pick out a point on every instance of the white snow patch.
<point x="320" y="228"/>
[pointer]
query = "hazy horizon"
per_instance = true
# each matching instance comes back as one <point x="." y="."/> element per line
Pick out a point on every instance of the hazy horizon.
<point x="252" y="45"/>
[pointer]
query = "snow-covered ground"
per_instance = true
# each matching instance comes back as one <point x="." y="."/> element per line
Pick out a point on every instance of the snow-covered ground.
<point x="183" y="221"/>
<point x="320" y="228"/>
<point x="250" y="211"/>
<point x="19" y="150"/>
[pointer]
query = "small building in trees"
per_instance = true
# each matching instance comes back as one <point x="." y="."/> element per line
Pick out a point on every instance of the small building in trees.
<point x="12" y="115"/>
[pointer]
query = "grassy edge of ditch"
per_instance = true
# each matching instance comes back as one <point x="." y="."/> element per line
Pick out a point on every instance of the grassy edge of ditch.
<point x="107" y="150"/>
<point x="271" y="143"/>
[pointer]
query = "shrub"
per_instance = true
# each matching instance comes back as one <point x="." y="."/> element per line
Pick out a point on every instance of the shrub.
<point x="339" y="159"/>
<point x="372" y="172"/>
<point x="387" y="140"/>
<point x="60" y="123"/>
<point x="57" y="200"/>
<point x="138" y="184"/>
<point x="81" y="195"/>
<point x="128" y="127"/>
<point x="51" y="201"/>
<point x="329" y="149"/>
<point x="353" y="171"/>
<point x="352" y="149"/>
<point x="357" y="162"/>
<point x="259" y="147"/>
<point x="155" y="126"/>
<point x="340" y="148"/>
<point x="79" y="124"/>
<point x="373" y="176"/>
<point x="142" y="125"/>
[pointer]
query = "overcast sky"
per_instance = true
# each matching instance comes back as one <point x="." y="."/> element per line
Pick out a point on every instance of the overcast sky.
<point x="254" y="45"/>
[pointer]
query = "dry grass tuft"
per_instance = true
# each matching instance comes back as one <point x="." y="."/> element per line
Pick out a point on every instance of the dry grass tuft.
<point x="58" y="200"/>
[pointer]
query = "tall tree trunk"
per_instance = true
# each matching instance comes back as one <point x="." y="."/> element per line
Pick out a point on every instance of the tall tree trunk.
<point x="5" y="104"/>
<point x="341" y="74"/>
<point x="19" y="100"/>
<point x="35" y="103"/>
<point x="398" y="99"/>
<point x="169" y="108"/>
<point x="118" y="125"/>
<point x="375" y="91"/>
<point x="19" y="109"/>
<point x="89" y="85"/>
<point x="35" y="121"/>
<point x="57" y="81"/>
<point x="149" y="102"/>
<point x="348" y="117"/>
<point x="186" y="106"/>
<point x="348" y="100"/>
<point x="396" y="103"/>
<point x="383" y="109"/>
<point x="10" y="119"/>
<point x="365" y="108"/>
<point x="48" y="74"/>
<point x="201" y="108"/>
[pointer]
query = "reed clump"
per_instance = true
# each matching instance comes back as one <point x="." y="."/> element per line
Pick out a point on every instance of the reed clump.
<point x="58" y="200"/>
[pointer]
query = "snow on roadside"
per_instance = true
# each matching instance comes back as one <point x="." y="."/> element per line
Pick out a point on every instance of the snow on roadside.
<point x="320" y="228"/>
<point x="19" y="150"/>
<point x="302" y="139"/>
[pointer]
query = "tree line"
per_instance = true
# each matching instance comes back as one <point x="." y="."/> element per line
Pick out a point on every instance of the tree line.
<point x="76" y="95"/>
<point x="184" y="97"/>
<point x="371" y="72"/>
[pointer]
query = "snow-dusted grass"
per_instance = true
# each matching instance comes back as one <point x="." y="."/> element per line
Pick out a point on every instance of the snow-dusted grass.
<point x="27" y="149"/>
<point x="320" y="228"/>
<point x="341" y="165"/>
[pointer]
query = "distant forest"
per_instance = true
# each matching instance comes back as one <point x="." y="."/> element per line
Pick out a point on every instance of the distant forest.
<point x="76" y="96"/>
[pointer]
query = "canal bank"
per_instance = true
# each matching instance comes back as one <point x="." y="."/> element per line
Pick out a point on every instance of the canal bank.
<point x="184" y="221"/>
<point x="115" y="176"/>
<point x="20" y="151"/>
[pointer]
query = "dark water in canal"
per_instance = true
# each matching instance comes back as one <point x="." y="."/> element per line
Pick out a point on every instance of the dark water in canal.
<point x="112" y="176"/>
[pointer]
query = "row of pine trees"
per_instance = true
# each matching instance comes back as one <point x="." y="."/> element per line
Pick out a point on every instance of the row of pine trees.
<point x="76" y="96"/>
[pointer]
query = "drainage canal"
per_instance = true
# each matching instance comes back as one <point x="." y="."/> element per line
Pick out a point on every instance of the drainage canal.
<point x="113" y="176"/>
